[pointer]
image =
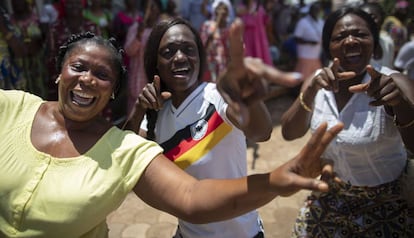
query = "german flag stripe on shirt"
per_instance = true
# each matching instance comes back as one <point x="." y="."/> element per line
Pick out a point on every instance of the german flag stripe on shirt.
<point x="191" y="143"/>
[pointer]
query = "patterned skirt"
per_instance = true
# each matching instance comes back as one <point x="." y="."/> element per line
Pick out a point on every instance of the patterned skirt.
<point x="353" y="211"/>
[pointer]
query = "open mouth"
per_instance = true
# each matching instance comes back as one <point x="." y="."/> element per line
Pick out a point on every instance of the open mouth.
<point x="180" y="72"/>
<point x="353" y="57"/>
<point x="82" y="99"/>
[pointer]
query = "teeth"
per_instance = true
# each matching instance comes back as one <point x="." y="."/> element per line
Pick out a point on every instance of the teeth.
<point x="180" y="70"/>
<point x="82" y="98"/>
<point x="82" y="94"/>
<point x="352" y="54"/>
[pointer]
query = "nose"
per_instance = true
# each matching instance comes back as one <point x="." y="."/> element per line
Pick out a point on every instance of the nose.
<point x="87" y="79"/>
<point x="350" y="39"/>
<point x="179" y="56"/>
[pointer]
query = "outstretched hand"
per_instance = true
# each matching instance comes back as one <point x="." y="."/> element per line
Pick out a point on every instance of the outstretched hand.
<point x="386" y="90"/>
<point x="301" y="171"/>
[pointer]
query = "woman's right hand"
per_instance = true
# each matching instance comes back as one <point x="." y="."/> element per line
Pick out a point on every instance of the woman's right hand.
<point x="151" y="96"/>
<point x="329" y="77"/>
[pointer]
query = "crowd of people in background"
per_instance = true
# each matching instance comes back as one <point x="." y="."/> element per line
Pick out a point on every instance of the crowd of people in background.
<point x="285" y="34"/>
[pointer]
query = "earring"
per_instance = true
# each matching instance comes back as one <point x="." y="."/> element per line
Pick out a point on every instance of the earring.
<point x="58" y="79"/>
<point x="113" y="95"/>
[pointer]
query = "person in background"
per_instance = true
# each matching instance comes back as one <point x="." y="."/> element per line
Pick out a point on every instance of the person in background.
<point x="383" y="55"/>
<point x="48" y="15"/>
<point x="124" y="19"/>
<point x="101" y="16"/>
<point x="64" y="168"/>
<point x="308" y="37"/>
<point x="72" y="22"/>
<point x="395" y="25"/>
<point x="215" y="33"/>
<point x="255" y="39"/>
<point x="11" y="45"/>
<point x="135" y="44"/>
<point x="376" y="105"/>
<point x="26" y="21"/>
<point x="404" y="61"/>
<point x="195" y="11"/>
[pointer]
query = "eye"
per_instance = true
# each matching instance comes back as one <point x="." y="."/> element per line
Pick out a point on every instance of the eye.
<point x="190" y="50"/>
<point x="103" y="75"/>
<point x="167" y="53"/>
<point x="338" y="37"/>
<point x="78" y="67"/>
<point x="362" y="34"/>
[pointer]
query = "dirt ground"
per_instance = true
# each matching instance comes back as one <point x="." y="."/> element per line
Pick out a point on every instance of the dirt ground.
<point x="134" y="219"/>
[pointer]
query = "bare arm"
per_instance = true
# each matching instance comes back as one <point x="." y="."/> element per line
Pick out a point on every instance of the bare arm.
<point x="168" y="188"/>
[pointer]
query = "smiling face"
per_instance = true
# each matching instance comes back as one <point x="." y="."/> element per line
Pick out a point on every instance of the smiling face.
<point x="352" y="43"/>
<point x="178" y="61"/>
<point x="87" y="81"/>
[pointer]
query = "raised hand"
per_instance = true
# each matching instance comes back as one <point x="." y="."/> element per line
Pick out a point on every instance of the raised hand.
<point x="329" y="77"/>
<point x="299" y="172"/>
<point x="386" y="90"/>
<point x="245" y="82"/>
<point x="151" y="96"/>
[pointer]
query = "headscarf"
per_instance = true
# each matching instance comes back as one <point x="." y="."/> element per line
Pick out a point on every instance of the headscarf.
<point x="215" y="4"/>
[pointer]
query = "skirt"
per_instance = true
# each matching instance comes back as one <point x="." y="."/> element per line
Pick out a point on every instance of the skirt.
<point x="355" y="211"/>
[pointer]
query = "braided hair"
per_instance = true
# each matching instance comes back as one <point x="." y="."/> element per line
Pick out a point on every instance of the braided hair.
<point x="75" y="40"/>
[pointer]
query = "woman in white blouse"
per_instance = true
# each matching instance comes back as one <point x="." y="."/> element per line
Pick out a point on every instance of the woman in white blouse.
<point x="376" y="107"/>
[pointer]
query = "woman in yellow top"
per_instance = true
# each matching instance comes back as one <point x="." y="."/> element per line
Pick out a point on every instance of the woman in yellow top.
<point x="64" y="168"/>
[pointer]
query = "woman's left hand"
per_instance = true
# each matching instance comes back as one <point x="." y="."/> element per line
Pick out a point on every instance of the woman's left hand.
<point x="386" y="90"/>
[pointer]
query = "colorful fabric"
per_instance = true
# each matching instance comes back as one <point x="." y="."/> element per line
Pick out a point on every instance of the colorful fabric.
<point x="103" y="21"/>
<point x="397" y="30"/>
<point x="121" y="24"/>
<point x="11" y="75"/>
<point x="33" y="64"/>
<point x="134" y="49"/>
<point x="217" y="50"/>
<point x="351" y="211"/>
<point x="194" y="141"/>
<point x="45" y="196"/>
<point x="255" y="37"/>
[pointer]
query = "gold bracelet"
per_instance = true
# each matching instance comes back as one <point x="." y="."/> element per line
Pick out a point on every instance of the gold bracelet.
<point x="9" y="35"/>
<point x="402" y="126"/>
<point x="306" y="107"/>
